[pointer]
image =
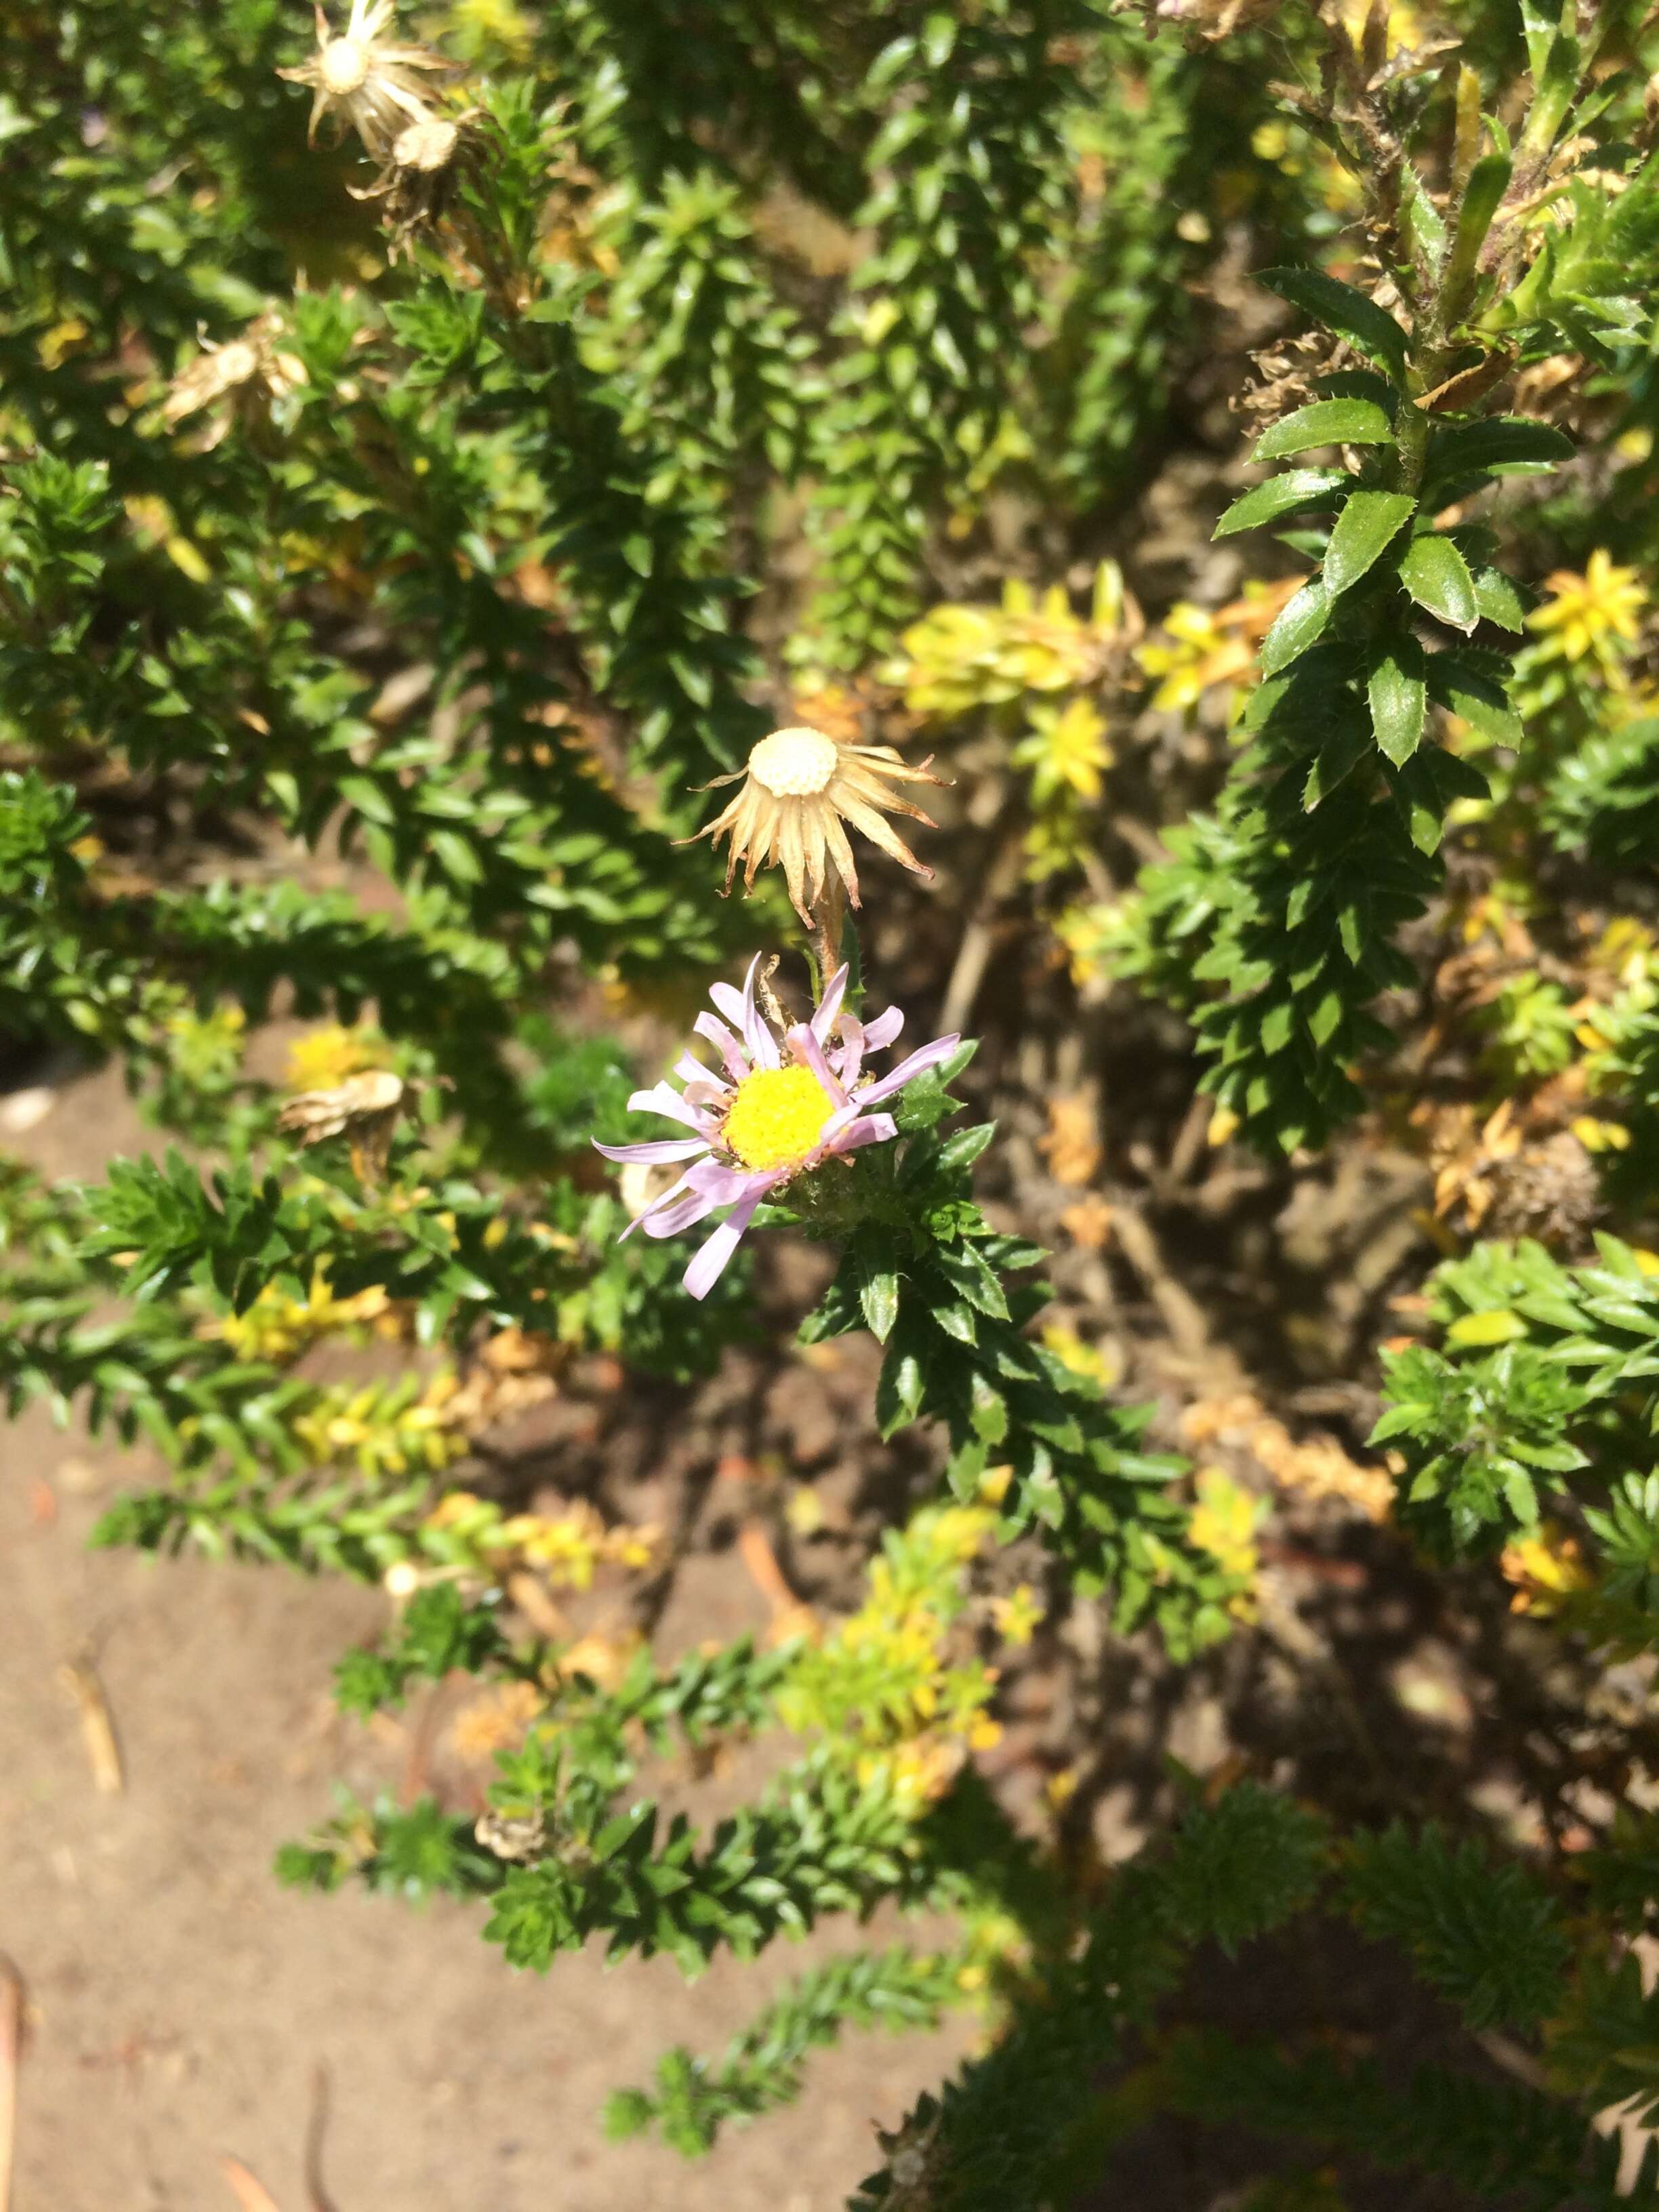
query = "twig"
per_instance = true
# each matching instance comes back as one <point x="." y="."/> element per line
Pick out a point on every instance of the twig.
<point x="11" y="2051"/>
<point x="1183" y="1315"/>
<point x="1503" y="2052"/>
<point x="319" y="2199"/>
<point x="250" y="2192"/>
<point x="829" y="912"/>
<point x="754" y="1549"/>
<point x="80" y="1678"/>
<point x="1188" y="1147"/>
<point x="978" y="939"/>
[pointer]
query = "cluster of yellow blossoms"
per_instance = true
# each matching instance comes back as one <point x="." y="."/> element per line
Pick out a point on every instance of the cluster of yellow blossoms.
<point x="893" y="1683"/>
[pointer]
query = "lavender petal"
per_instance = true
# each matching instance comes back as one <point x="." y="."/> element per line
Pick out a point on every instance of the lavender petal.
<point x="926" y="1057"/>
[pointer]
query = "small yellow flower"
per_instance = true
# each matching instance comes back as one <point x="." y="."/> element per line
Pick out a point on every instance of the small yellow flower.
<point x="323" y="1059"/>
<point x="1546" y="1570"/>
<point x="1061" y="1789"/>
<point x="1405" y="23"/>
<point x="1085" y="1359"/>
<point x="1223" y="1524"/>
<point x="1018" y="1616"/>
<point x="1067" y="751"/>
<point x="960" y="658"/>
<point x="798" y="789"/>
<point x="1201" y="648"/>
<point x="1192" y="656"/>
<point x="1595" y="615"/>
<point x="367" y="77"/>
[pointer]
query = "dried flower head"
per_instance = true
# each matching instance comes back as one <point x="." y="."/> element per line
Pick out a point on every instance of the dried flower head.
<point x="517" y="1837"/>
<point x="799" y="788"/>
<point x="420" y="173"/>
<point x="251" y="371"/>
<point x="368" y="78"/>
<point x="1206" y="19"/>
<point x="365" y="1107"/>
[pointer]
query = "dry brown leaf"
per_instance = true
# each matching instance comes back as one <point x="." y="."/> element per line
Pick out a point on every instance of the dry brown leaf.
<point x="1317" y="1467"/>
<point x="1088" y="1222"/>
<point x="1072" y="1147"/>
<point x="538" y="1608"/>
<point x="495" y="1721"/>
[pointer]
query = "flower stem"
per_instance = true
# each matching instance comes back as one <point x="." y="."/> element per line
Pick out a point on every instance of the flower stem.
<point x="829" y="913"/>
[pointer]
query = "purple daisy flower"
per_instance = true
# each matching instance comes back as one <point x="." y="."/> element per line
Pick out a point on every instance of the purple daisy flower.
<point x="777" y="1110"/>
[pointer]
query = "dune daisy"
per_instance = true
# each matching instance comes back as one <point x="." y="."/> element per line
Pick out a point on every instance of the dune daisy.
<point x="778" y="1108"/>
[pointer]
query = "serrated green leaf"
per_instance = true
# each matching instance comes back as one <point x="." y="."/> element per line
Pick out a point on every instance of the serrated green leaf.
<point x="1326" y="1017"/>
<point x="1368" y="525"/>
<point x="1299" y="624"/>
<point x="1475" y="698"/>
<point x="1398" y="697"/>
<point x="1498" y="446"/>
<point x="1339" y="756"/>
<point x="965" y="1147"/>
<point x="879" y="1297"/>
<point x="1280" y="495"/>
<point x="1325" y="422"/>
<point x="1340" y="308"/>
<point x="1437" y="577"/>
<point x="1501" y="600"/>
<point x="1277" y="1026"/>
<point x="965" y="1268"/>
<point x="1483" y="196"/>
<point x="956" y="1320"/>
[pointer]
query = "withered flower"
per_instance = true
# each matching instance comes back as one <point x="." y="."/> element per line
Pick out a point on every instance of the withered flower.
<point x="798" y="790"/>
<point x="364" y="1107"/>
<point x="420" y="172"/>
<point x="368" y="78"/>
<point x="250" y="371"/>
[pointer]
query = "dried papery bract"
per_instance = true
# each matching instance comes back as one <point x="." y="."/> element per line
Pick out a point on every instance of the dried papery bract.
<point x="372" y="81"/>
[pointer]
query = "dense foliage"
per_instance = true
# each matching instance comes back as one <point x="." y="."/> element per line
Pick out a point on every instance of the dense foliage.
<point x="402" y="526"/>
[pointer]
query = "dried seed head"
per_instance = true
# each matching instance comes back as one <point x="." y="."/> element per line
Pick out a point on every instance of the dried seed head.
<point x="793" y="764"/>
<point x="343" y="67"/>
<point x="249" y="370"/>
<point x="799" y="791"/>
<point x="516" y="1837"/>
<point x="372" y="80"/>
<point x="428" y="146"/>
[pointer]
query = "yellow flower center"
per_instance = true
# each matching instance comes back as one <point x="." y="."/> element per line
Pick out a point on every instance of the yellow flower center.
<point x="777" y="1116"/>
<point x="793" y="764"/>
<point x="342" y="65"/>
